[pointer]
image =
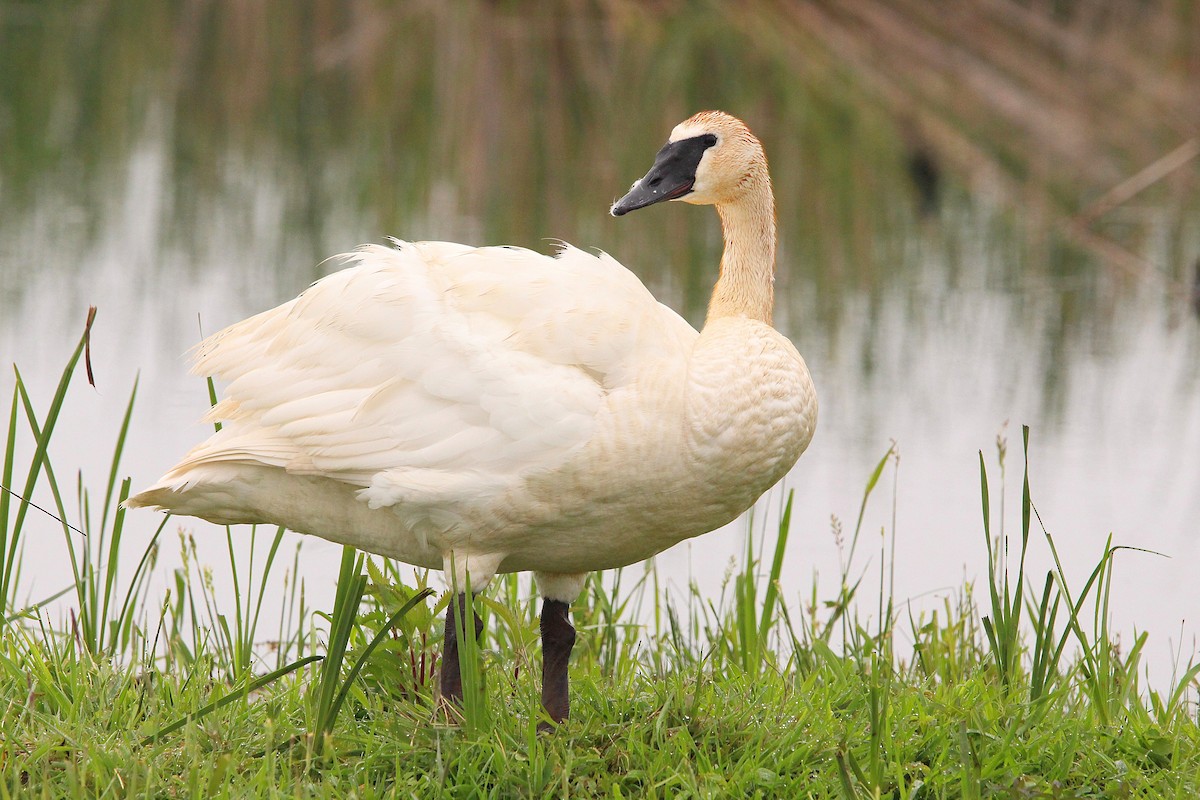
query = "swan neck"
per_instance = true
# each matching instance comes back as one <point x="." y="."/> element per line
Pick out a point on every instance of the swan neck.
<point x="746" y="286"/>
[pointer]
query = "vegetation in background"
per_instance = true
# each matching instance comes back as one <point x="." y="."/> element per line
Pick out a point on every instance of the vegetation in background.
<point x="742" y="695"/>
<point x="493" y="122"/>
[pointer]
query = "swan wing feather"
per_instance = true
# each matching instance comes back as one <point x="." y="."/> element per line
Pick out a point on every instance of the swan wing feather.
<point x="431" y="371"/>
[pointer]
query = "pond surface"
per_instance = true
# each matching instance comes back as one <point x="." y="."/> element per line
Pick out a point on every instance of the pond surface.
<point x="181" y="173"/>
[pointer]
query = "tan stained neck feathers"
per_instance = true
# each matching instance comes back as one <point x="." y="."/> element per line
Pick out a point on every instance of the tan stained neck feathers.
<point x="746" y="286"/>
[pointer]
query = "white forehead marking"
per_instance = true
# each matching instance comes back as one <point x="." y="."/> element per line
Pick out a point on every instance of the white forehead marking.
<point x="687" y="130"/>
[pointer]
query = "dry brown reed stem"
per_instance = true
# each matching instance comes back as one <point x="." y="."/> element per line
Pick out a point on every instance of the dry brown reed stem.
<point x="1049" y="109"/>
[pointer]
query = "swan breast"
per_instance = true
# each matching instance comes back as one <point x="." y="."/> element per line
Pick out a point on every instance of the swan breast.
<point x="752" y="407"/>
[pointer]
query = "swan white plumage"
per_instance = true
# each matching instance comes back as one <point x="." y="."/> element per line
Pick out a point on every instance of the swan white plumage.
<point x="487" y="410"/>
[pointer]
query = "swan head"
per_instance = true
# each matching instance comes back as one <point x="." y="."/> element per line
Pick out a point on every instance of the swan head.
<point x="709" y="159"/>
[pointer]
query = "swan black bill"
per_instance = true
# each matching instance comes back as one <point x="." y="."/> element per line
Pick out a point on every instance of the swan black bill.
<point x="672" y="176"/>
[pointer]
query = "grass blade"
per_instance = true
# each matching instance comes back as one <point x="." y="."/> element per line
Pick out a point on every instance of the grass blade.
<point x="370" y="648"/>
<point x="350" y="586"/>
<point x="772" y="596"/>
<point x="42" y="439"/>
<point x="204" y="711"/>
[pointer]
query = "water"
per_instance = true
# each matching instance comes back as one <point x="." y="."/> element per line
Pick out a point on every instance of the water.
<point x="176" y="181"/>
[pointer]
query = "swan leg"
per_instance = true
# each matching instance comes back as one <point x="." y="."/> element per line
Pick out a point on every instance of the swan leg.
<point x="558" y="637"/>
<point x="558" y="590"/>
<point x="452" y="690"/>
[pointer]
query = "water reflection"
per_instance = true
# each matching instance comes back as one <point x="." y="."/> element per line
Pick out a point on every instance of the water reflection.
<point x="180" y="171"/>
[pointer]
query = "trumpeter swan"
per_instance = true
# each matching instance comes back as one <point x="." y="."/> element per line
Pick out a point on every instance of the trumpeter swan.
<point x="487" y="410"/>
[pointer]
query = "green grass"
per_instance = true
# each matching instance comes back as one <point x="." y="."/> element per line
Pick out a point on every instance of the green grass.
<point x="740" y="695"/>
